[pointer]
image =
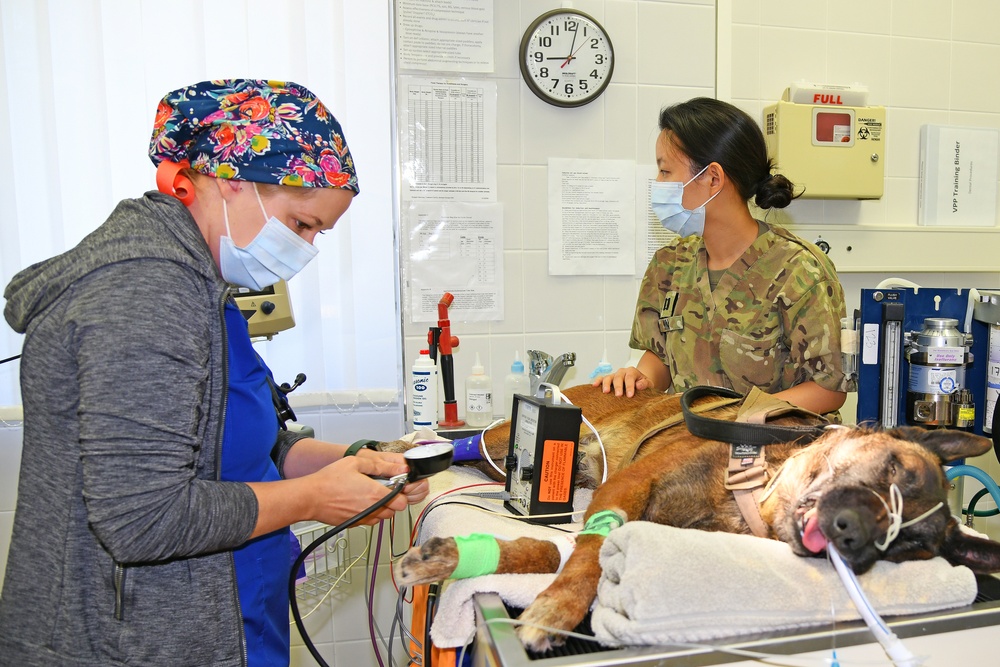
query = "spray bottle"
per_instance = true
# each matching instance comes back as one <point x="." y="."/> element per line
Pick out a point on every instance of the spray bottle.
<point x="424" y="391"/>
<point x="478" y="397"/>
<point x="516" y="382"/>
<point x="603" y="368"/>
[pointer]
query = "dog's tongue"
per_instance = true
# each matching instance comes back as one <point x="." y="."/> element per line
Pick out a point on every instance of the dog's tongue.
<point x="812" y="537"/>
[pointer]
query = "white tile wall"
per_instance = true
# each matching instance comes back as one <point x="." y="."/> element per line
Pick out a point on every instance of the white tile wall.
<point x="921" y="18"/>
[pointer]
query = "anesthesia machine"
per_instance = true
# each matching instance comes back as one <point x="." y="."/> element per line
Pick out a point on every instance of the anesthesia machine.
<point x="926" y="357"/>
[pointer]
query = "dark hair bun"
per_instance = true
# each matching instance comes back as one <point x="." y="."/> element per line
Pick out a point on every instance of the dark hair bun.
<point x="775" y="191"/>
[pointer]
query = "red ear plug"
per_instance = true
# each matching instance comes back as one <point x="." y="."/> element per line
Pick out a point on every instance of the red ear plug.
<point x="169" y="181"/>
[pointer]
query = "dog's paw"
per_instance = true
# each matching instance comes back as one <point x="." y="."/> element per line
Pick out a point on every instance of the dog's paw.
<point x="394" y="446"/>
<point x="558" y="609"/>
<point x="433" y="561"/>
<point x="542" y="614"/>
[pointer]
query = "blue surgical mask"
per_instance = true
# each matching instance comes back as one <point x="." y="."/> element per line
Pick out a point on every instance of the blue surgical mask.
<point x="665" y="198"/>
<point x="276" y="253"/>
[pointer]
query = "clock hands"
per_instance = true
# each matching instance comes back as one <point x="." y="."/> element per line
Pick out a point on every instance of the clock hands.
<point x="571" y="45"/>
<point x="572" y="55"/>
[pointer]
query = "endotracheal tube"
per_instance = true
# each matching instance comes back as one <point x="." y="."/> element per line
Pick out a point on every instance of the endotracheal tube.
<point x="899" y="654"/>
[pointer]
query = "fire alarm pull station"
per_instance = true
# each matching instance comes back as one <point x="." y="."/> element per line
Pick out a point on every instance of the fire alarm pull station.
<point x="827" y="140"/>
<point x="541" y="460"/>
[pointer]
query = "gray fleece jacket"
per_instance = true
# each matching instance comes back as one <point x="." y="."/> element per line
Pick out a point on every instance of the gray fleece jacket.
<point x="122" y="531"/>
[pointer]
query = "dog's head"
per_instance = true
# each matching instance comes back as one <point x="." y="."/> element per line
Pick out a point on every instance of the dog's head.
<point x="840" y="490"/>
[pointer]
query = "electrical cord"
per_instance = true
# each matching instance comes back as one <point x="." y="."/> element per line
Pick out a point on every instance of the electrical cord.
<point x="558" y="396"/>
<point x="405" y="635"/>
<point x="485" y="453"/>
<point x="292" y="601"/>
<point x="420" y="517"/>
<point x="373" y="628"/>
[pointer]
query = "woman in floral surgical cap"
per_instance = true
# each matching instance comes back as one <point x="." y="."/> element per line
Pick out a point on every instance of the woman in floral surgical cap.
<point x="157" y="483"/>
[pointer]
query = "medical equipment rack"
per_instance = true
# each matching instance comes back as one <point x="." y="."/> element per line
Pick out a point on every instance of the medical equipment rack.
<point x="329" y="565"/>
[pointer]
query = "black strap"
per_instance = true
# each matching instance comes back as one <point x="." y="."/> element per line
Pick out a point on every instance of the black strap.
<point x="282" y="409"/>
<point x="359" y="444"/>
<point x="738" y="432"/>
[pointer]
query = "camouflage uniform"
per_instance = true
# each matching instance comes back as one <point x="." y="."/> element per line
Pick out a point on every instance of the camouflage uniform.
<point x="772" y="322"/>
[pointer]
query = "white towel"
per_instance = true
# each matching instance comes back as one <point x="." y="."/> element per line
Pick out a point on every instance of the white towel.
<point x="455" y="621"/>
<point x="662" y="584"/>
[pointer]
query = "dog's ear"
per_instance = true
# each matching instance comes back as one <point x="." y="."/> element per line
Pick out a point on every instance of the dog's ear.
<point x="947" y="445"/>
<point x="978" y="554"/>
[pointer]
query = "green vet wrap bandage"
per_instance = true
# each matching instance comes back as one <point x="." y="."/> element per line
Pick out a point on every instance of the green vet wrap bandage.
<point x="478" y="554"/>
<point x="602" y="523"/>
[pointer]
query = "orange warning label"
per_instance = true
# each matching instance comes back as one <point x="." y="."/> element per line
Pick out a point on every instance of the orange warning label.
<point x="556" y="471"/>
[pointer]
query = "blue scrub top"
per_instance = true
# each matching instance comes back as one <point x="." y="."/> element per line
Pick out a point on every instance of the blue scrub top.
<point x="264" y="563"/>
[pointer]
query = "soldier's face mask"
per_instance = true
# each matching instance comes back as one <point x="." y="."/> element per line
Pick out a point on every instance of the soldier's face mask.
<point x="666" y="200"/>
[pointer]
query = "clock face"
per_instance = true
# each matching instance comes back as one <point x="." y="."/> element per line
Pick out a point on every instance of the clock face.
<point x="566" y="58"/>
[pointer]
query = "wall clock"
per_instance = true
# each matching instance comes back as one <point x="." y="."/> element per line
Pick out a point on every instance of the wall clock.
<point x="566" y="58"/>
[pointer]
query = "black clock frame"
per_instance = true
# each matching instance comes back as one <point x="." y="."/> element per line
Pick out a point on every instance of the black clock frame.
<point x="530" y="82"/>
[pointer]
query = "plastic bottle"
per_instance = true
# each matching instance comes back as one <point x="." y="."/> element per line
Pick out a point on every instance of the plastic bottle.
<point x="603" y="368"/>
<point x="478" y="397"/>
<point x="424" y="391"/>
<point x="516" y="382"/>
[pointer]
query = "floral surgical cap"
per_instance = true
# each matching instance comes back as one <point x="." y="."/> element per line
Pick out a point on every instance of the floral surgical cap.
<point x="253" y="130"/>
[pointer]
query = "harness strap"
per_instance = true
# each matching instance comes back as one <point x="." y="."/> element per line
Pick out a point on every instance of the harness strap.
<point x="748" y="500"/>
<point x="727" y="431"/>
<point x="748" y="472"/>
<point x="745" y="477"/>
<point x="670" y="421"/>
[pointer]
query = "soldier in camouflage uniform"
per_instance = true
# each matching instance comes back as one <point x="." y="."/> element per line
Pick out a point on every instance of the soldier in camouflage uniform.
<point x="772" y="322"/>
<point x="734" y="302"/>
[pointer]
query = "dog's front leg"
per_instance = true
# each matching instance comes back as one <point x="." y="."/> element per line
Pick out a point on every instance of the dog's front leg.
<point x="438" y="558"/>
<point x="563" y="605"/>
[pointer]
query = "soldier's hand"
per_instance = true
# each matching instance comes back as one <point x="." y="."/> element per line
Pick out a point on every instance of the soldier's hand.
<point x="625" y="381"/>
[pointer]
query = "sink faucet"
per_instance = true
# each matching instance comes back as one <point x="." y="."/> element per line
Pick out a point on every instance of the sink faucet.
<point x="543" y="368"/>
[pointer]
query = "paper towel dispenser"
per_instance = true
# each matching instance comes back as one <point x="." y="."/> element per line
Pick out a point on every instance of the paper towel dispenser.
<point x="831" y="149"/>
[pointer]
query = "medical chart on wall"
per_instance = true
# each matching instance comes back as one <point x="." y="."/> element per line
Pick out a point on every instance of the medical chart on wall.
<point x="449" y="139"/>
<point x="445" y="35"/>
<point x="650" y="234"/>
<point x="456" y="248"/>
<point x="591" y="217"/>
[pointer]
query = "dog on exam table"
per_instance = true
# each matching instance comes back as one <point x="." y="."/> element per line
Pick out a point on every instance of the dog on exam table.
<point x="835" y="489"/>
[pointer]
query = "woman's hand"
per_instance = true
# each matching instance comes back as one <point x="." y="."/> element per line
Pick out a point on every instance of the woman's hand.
<point x="346" y="487"/>
<point x="415" y="491"/>
<point x="626" y="380"/>
<point x="334" y="493"/>
<point x="649" y="373"/>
